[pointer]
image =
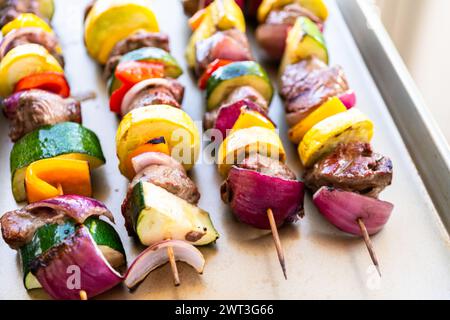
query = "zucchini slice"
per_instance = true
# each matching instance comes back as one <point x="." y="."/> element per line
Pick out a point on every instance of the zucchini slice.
<point x="237" y="74"/>
<point x="158" y="214"/>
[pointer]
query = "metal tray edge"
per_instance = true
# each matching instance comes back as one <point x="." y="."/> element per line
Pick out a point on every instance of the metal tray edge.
<point x="422" y="136"/>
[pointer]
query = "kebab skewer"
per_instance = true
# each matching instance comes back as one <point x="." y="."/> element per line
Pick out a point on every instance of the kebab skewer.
<point x="333" y="137"/>
<point x="261" y="190"/>
<point x="157" y="143"/>
<point x="61" y="230"/>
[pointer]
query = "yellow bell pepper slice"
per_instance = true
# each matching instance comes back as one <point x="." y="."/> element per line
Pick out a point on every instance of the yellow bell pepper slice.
<point x="328" y="109"/>
<point x="26" y="20"/>
<point x="240" y="143"/>
<point x="111" y="21"/>
<point x="251" y="118"/>
<point x="226" y="14"/>
<point x="219" y="15"/>
<point x="23" y="61"/>
<point x="143" y="124"/>
<point x="325" y="136"/>
<point x="49" y="178"/>
<point x="318" y="7"/>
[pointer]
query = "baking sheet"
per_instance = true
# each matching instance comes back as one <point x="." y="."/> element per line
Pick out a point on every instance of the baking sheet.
<point x="322" y="262"/>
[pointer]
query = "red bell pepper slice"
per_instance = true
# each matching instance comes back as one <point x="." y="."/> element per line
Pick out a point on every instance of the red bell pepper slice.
<point x="131" y="73"/>
<point x="49" y="81"/>
<point x="212" y="67"/>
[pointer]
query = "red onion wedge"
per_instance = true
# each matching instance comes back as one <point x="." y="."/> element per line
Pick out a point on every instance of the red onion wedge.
<point x="348" y="98"/>
<point x="343" y="209"/>
<point x="228" y="114"/>
<point x="75" y="265"/>
<point x="78" y="208"/>
<point x="156" y="256"/>
<point x="251" y="193"/>
<point x="147" y="159"/>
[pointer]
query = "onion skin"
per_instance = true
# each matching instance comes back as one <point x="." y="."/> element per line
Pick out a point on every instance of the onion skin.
<point x="251" y="193"/>
<point x="11" y="104"/>
<point x="156" y="256"/>
<point x="78" y="208"/>
<point x="348" y="98"/>
<point x="228" y="114"/>
<point x="343" y="209"/>
<point x="54" y="268"/>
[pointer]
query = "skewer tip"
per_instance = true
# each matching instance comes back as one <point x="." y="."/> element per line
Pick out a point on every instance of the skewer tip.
<point x="83" y="295"/>
<point x="173" y="265"/>
<point x="369" y="245"/>
<point x="276" y="239"/>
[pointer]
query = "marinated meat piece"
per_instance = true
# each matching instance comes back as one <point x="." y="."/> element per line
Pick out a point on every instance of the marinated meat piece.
<point x="268" y="166"/>
<point x="352" y="167"/>
<point x="307" y="85"/>
<point x="229" y="45"/>
<point x="209" y="119"/>
<point x="172" y="179"/>
<point x="33" y="109"/>
<point x="157" y="91"/>
<point x="262" y="164"/>
<point x="272" y="34"/>
<point x="289" y="14"/>
<point x="246" y="93"/>
<point x="154" y="96"/>
<point x="19" y="227"/>
<point x="138" y="40"/>
<point x="32" y="35"/>
<point x="10" y="9"/>
<point x="191" y="6"/>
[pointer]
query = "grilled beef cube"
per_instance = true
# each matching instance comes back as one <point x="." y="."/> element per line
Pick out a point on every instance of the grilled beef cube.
<point x="308" y="84"/>
<point x="138" y="40"/>
<point x="11" y="9"/>
<point x="172" y="179"/>
<point x="158" y="91"/>
<point x="352" y="167"/>
<point x="268" y="166"/>
<point x="272" y="34"/>
<point x="191" y="6"/>
<point x="32" y="109"/>
<point x="238" y="94"/>
<point x="32" y="35"/>
<point x="229" y="45"/>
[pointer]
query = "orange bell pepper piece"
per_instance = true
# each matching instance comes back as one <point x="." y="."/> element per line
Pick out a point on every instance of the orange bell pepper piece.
<point x="53" y="177"/>
<point x="155" y="145"/>
<point x="197" y="18"/>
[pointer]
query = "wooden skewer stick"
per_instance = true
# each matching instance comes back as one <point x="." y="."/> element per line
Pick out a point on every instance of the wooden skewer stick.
<point x="83" y="295"/>
<point x="276" y="239"/>
<point x="173" y="265"/>
<point x="369" y="245"/>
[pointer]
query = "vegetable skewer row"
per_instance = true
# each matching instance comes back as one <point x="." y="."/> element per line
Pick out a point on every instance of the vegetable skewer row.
<point x="277" y="17"/>
<point x="334" y="138"/>
<point x="156" y="141"/>
<point x="263" y="192"/>
<point x="36" y="95"/>
<point x="51" y="157"/>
